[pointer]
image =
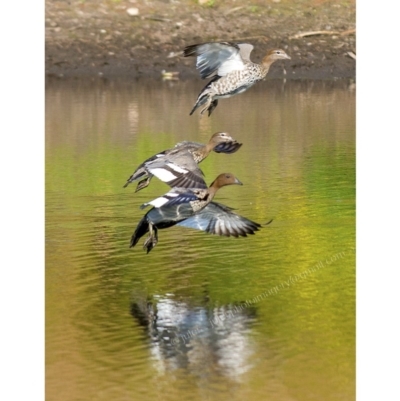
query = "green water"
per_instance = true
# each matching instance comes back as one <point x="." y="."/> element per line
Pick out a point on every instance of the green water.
<point x="202" y="317"/>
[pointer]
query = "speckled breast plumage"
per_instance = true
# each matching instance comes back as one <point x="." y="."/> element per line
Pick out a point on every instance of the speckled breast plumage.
<point x="237" y="81"/>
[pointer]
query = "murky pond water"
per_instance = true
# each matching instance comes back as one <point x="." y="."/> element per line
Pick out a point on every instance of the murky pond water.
<point x="201" y="317"/>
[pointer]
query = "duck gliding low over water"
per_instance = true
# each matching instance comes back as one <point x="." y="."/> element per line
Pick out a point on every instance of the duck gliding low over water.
<point x="193" y="208"/>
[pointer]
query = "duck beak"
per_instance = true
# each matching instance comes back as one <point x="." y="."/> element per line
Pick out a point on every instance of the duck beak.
<point x="237" y="181"/>
<point x="287" y="57"/>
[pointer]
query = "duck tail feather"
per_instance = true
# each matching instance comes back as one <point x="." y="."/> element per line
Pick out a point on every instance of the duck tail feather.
<point x="141" y="229"/>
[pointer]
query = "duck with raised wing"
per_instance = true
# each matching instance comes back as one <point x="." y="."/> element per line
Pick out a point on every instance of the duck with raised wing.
<point x="192" y="208"/>
<point x="231" y="70"/>
<point x="178" y="167"/>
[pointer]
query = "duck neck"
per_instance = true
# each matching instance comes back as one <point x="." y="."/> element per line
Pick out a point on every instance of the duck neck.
<point x="208" y="147"/>
<point x="266" y="63"/>
<point x="212" y="190"/>
<point x="203" y="152"/>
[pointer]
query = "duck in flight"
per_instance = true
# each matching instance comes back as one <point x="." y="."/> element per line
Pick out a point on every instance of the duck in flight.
<point x="231" y="70"/>
<point x="192" y="208"/>
<point x="178" y="167"/>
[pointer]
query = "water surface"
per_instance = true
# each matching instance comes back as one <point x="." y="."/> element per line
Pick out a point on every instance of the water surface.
<point x="267" y="317"/>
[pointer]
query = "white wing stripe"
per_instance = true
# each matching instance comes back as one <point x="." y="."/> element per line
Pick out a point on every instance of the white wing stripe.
<point x="177" y="168"/>
<point x="163" y="174"/>
<point x="158" y="202"/>
<point x="162" y="200"/>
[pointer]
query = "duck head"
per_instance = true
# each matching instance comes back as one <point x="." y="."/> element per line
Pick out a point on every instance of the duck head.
<point x="277" y="54"/>
<point x="223" y="180"/>
<point x="222" y="142"/>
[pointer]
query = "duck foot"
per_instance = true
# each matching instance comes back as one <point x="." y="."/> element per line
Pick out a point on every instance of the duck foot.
<point x="209" y="104"/>
<point x="152" y="240"/>
<point x="212" y="106"/>
<point x="143" y="184"/>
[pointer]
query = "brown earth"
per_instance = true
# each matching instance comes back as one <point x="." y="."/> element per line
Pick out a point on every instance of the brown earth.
<point x="101" y="38"/>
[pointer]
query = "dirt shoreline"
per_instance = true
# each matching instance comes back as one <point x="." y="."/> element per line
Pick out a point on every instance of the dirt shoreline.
<point x="88" y="38"/>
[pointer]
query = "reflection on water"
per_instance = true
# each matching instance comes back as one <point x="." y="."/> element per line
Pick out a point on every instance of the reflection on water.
<point x="201" y="339"/>
<point x="271" y="316"/>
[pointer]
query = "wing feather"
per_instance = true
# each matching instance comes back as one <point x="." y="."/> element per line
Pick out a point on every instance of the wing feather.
<point x="227" y="147"/>
<point x="218" y="58"/>
<point x="175" y="197"/>
<point x="219" y="219"/>
<point x="178" y="169"/>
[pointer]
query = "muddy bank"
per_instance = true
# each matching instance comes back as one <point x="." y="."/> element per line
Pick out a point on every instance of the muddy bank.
<point x="133" y="38"/>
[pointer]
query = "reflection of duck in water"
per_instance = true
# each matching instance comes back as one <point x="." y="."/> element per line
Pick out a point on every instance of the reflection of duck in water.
<point x="231" y="70"/>
<point x="198" y="338"/>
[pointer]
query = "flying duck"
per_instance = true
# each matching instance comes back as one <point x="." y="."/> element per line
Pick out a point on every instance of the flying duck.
<point x="179" y="166"/>
<point x="231" y="70"/>
<point x="192" y="208"/>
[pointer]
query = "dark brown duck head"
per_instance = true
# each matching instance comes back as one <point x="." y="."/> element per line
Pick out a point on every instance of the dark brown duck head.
<point x="274" y="55"/>
<point x="223" y="180"/>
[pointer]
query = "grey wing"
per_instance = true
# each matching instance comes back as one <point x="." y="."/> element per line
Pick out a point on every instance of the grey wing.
<point x="216" y="58"/>
<point x="189" y="145"/>
<point x="141" y="172"/>
<point x="245" y="50"/>
<point x="178" y="170"/>
<point x="219" y="219"/>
